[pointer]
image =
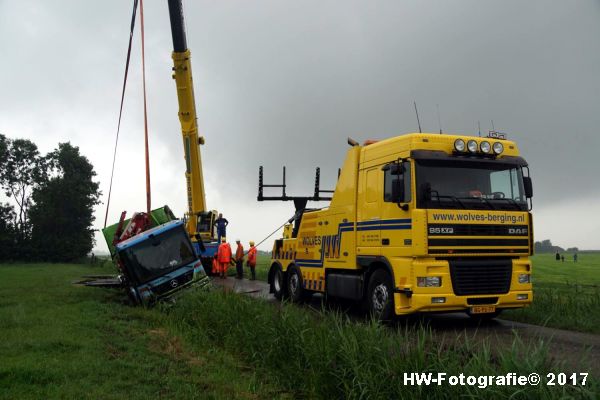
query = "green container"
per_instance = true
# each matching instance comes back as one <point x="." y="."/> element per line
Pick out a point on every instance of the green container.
<point x="159" y="216"/>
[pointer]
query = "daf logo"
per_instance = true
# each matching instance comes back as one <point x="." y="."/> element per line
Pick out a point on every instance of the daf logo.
<point x="438" y="231"/>
<point x="174" y="283"/>
<point x="517" y="231"/>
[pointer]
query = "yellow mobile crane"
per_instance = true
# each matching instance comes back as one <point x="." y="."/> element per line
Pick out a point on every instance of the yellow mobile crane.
<point x="200" y="222"/>
<point x="417" y="223"/>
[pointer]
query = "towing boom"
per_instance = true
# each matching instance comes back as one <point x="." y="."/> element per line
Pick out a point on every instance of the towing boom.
<point x="182" y="73"/>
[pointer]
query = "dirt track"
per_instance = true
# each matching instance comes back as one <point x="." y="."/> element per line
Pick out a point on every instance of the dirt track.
<point x="580" y="352"/>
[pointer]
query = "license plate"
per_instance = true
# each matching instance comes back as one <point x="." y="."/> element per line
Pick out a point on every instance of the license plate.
<point x="483" y="309"/>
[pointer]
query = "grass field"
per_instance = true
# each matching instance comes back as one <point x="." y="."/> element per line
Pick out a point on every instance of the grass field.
<point x="62" y="341"/>
<point x="58" y="340"/>
<point x="565" y="294"/>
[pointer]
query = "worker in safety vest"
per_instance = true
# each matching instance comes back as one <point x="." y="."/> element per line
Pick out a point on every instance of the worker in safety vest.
<point x="221" y="227"/>
<point x="252" y="260"/>
<point x="215" y="266"/>
<point x="239" y="260"/>
<point x="224" y="257"/>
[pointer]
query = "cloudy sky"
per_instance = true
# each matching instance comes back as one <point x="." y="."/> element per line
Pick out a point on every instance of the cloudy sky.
<point x="285" y="82"/>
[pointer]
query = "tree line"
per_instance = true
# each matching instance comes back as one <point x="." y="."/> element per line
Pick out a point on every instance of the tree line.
<point x="546" y="246"/>
<point x="51" y="200"/>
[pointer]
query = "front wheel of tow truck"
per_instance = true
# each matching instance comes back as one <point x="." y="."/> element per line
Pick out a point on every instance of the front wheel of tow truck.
<point x="278" y="284"/>
<point x="294" y="285"/>
<point x="380" y="296"/>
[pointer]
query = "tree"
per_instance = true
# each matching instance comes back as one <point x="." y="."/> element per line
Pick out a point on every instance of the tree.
<point x="546" y="246"/>
<point x="23" y="169"/>
<point x="62" y="214"/>
<point x="7" y="232"/>
<point x="3" y="154"/>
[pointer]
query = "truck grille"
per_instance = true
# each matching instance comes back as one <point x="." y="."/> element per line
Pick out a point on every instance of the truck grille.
<point x="480" y="276"/>
<point x="456" y="239"/>
<point x="169" y="285"/>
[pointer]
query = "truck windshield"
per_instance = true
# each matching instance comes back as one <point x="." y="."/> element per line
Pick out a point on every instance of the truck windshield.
<point x="158" y="255"/>
<point x="469" y="185"/>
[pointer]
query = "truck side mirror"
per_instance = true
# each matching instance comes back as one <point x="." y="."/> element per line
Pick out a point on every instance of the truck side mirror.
<point x="395" y="192"/>
<point x="394" y="168"/>
<point x="528" y="186"/>
<point x="426" y="191"/>
<point x="398" y="190"/>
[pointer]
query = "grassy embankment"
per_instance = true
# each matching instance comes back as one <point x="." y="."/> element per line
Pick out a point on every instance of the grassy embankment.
<point x="59" y="340"/>
<point x="566" y="294"/>
<point x="62" y="341"/>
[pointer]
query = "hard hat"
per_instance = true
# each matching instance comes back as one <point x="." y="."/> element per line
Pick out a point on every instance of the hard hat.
<point x="223" y="239"/>
<point x="251" y="243"/>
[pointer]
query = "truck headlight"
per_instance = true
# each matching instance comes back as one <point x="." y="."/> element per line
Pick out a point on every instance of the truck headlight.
<point x="524" y="278"/>
<point x="429" y="281"/>
<point x="459" y="145"/>
<point x="485" y="147"/>
<point x="498" y="147"/>
<point x="472" y="146"/>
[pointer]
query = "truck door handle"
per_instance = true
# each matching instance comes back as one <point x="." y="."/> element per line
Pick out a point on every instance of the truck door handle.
<point x="385" y="242"/>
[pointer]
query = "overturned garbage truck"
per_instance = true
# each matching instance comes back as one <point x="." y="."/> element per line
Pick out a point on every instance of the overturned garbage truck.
<point x="155" y="256"/>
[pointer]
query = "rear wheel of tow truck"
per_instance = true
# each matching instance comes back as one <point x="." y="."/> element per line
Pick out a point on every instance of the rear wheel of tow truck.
<point x="380" y="296"/>
<point x="278" y="284"/>
<point x="484" y="317"/>
<point x="294" y="285"/>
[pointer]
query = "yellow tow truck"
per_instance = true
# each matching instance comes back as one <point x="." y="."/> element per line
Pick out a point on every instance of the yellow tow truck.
<point x="417" y="223"/>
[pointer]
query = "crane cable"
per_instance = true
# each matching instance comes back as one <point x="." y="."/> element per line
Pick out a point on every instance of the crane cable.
<point x="131" y="30"/>
<point x="135" y="3"/>
<point x="148" y="196"/>
<point x="288" y="221"/>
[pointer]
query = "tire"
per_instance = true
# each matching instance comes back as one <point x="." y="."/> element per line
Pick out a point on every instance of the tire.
<point x="380" y="296"/>
<point x="207" y="265"/>
<point x="295" y="285"/>
<point x="278" y="287"/>
<point x="133" y="297"/>
<point x="484" y="317"/>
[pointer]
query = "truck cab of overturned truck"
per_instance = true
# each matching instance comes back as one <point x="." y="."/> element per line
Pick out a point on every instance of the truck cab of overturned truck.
<point x="418" y="223"/>
<point x="159" y="262"/>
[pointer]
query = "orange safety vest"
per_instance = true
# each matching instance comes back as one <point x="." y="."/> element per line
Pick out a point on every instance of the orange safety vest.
<point x="239" y="252"/>
<point x="224" y="253"/>
<point x="252" y="256"/>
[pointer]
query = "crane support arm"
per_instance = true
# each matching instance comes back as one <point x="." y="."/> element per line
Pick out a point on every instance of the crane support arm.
<point x="177" y="26"/>
<point x="182" y="73"/>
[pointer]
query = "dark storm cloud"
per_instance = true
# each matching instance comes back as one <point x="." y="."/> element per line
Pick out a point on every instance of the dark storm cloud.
<point x="284" y="83"/>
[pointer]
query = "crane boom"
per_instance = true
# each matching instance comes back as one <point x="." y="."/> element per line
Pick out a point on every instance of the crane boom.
<point x="182" y="73"/>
